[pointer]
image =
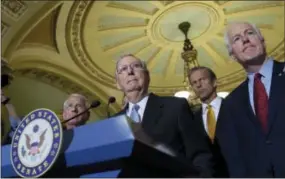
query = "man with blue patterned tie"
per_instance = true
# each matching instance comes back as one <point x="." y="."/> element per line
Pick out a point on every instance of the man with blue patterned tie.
<point x="166" y="120"/>
<point x="251" y="126"/>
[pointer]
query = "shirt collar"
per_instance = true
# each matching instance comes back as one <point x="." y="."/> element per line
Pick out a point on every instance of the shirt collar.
<point x="214" y="103"/>
<point x="265" y="70"/>
<point x="141" y="103"/>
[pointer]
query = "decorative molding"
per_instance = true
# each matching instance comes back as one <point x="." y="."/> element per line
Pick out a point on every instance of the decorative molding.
<point x="57" y="81"/>
<point x="77" y="50"/>
<point x="227" y="83"/>
<point x="61" y="83"/>
<point x="278" y="52"/>
<point x="253" y="7"/>
<point x="13" y="8"/>
<point x="4" y="28"/>
<point x="76" y="47"/>
<point x="165" y="3"/>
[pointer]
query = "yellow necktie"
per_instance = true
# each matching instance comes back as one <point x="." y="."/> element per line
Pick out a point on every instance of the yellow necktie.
<point x="211" y="121"/>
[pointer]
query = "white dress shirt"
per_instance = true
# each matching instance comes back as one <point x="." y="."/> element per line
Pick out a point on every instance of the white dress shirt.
<point x="141" y="103"/>
<point x="216" y="105"/>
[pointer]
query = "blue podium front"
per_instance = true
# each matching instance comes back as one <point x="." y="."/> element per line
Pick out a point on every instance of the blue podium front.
<point x="100" y="149"/>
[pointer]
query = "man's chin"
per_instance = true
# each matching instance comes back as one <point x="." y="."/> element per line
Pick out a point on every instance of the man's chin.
<point x="133" y="89"/>
<point x="254" y="59"/>
<point x="69" y="126"/>
<point x="73" y="122"/>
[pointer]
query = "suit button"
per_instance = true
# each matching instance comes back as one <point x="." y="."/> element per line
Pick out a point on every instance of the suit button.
<point x="268" y="142"/>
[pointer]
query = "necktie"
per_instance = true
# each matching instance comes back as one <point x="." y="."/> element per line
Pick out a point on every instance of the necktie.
<point x="260" y="101"/>
<point x="211" y="121"/>
<point x="134" y="114"/>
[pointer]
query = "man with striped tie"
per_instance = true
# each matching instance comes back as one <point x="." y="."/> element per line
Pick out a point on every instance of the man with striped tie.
<point x="204" y="83"/>
<point x="166" y="120"/>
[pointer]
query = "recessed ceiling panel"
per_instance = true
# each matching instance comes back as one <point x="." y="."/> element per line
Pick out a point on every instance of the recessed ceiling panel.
<point x="149" y="29"/>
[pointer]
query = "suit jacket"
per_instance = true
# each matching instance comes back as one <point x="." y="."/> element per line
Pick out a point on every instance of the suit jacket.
<point x="220" y="168"/>
<point x="248" y="151"/>
<point x="169" y="120"/>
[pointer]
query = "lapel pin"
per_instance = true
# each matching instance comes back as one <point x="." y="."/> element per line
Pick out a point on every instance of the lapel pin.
<point x="283" y="72"/>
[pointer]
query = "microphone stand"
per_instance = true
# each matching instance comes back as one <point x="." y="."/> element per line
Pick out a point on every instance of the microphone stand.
<point x="65" y="121"/>
<point x="95" y="104"/>
<point x="107" y="109"/>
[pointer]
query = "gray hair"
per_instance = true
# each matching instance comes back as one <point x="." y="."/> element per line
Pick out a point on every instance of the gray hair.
<point x="130" y="55"/>
<point x="226" y="35"/>
<point x="83" y="98"/>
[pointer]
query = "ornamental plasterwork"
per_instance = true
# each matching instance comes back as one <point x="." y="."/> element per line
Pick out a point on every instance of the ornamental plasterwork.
<point x="59" y="82"/>
<point x="4" y="28"/>
<point x="278" y="52"/>
<point x="13" y="8"/>
<point x="80" y="55"/>
<point x="77" y="50"/>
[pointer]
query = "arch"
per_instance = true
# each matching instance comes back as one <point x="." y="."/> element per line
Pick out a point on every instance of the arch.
<point x="43" y="63"/>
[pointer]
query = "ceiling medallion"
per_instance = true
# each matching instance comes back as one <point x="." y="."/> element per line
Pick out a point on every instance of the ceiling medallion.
<point x="205" y="17"/>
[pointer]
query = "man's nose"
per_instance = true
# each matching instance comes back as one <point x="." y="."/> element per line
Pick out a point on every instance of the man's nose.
<point x="74" y="109"/>
<point x="244" y="39"/>
<point x="130" y="70"/>
<point x="199" y="85"/>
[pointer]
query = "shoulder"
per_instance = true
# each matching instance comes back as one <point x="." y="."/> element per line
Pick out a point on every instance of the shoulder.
<point x="279" y="67"/>
<point x="236" y="93"/>
<point x="172" y="100"/>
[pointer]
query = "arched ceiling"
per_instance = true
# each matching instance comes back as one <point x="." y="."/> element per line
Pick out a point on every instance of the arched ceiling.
<point x="80" y="41"/>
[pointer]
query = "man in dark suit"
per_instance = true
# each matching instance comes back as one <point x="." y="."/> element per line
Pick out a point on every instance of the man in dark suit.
<point x="251" y="129"/>
<point x="167" y="120"/>
<point x="204" y="83"/>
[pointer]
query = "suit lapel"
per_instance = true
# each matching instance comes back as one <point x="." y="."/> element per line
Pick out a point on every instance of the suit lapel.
<point x="220" y="110"/>
<point x="199" y="117"/>
<point x="246" y="103"/>
<point x="153" y="112"/>
<point x="276" y="90"/>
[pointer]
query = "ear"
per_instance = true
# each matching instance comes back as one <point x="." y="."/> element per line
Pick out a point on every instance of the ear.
<point x="215" y="84"/>
<point x="118" y="85"/>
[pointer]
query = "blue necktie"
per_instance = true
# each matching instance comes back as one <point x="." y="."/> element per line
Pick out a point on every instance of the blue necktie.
<point x="134" y="114"/>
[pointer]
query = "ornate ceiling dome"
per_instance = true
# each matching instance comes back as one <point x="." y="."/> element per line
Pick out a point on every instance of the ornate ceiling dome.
<point x="99" y="32"/>
<point x="73" y="45"/>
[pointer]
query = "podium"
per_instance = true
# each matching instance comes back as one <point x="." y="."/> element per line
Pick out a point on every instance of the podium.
<point x="108" y="148"/>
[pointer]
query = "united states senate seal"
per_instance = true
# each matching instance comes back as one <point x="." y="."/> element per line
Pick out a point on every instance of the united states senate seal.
<point x="36" y="143"/>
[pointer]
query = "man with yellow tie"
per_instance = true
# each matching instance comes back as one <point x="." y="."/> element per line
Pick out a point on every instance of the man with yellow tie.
<point x="204" y="83"/>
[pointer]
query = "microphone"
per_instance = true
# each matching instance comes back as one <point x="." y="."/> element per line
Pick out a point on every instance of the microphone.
<point x="94" y="104"/>
<point x="110" y="101"/>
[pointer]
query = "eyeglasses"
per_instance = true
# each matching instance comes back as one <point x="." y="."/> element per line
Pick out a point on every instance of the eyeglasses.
<point x="239" y="37"/>
<point x="71" y="106"/>
<point x="135" y="66"/>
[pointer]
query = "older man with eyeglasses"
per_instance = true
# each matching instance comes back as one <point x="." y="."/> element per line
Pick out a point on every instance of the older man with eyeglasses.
<point x="166" y="120"/>
<point x="75" y="104"/>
